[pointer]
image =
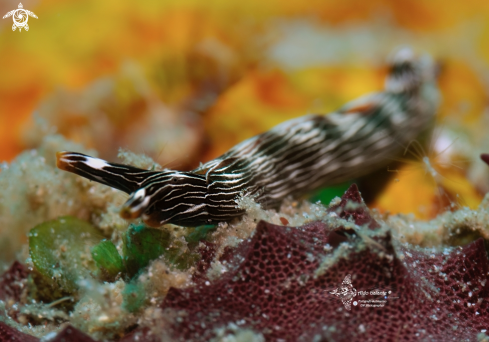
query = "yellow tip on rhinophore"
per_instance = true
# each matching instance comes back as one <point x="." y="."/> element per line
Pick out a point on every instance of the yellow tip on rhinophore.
<point x="60" y="163"/>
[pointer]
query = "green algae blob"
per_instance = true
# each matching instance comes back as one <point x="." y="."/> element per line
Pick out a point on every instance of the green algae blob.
<point x="199" y="233"/>
<point x="67" y="250"/>
<point x="143" y="244"/>
<point x="61" y="250"/>
<point x="134" y="296"/>
<point x="108" y="260"/>
<point x="325" y="195"/>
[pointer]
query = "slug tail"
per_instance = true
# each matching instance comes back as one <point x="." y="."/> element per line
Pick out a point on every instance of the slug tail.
<point x="122" y="177"/>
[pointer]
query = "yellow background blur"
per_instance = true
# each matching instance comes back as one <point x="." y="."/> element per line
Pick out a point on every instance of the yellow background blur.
<point x="240" y="67"/>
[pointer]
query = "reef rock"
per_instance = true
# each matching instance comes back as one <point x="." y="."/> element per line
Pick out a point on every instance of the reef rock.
<point x="339" y="279"/>
<point x="282" y="288"/>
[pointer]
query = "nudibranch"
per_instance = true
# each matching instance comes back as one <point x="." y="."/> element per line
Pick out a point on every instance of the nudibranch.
<point x="291" y="159"/>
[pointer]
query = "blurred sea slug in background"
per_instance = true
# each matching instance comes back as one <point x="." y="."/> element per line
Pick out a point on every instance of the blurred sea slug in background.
<point x="292" y="159"/>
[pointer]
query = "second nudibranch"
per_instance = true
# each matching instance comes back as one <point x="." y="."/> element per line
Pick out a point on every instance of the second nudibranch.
<point x="291" y="159"/>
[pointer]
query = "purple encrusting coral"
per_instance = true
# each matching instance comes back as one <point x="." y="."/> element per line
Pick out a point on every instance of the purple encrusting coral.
<point x="282" y="288"/>
<point x="280" y="281"/>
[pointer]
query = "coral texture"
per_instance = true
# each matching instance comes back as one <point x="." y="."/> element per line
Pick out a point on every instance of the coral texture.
<point x="12" y="282"/>
<point x="9" y="334"/>
<point x="68" y="334"/>
<point x="278" y="286"/>
<point x="282" y="288"/>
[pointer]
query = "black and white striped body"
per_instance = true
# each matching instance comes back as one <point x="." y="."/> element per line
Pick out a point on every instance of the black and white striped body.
<point x="293" y="158"/>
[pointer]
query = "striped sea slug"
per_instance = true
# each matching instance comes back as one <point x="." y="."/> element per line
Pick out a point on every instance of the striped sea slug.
<point x="292" y="158"/>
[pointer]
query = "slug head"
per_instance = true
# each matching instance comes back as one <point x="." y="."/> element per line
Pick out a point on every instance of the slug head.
<point x="168" y="197"/>
<point x="136" y="204"/>
<point x="407" y="71"/>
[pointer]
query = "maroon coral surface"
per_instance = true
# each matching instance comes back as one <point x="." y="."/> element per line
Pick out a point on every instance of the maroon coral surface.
<point x="9" y="334"/>
<point x="280" y="281"/>
<point x="12" y="282"/>
<point x="277" y="291"/>
<point x="68" y="334"/>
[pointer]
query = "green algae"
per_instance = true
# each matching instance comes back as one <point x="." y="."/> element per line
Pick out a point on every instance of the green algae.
<point x="134" y="295"/>
<point x="143" y="244"/>
<point x="199" y="233"/>
<point x="108" y="260"/>
<point x="67" y="249"/>
<point x="326" y="195"/>
<point x="60" y="251"/>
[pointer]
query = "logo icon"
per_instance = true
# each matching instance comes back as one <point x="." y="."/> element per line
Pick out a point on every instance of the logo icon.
<point x="20" y="17"/>
<point x="345" y="292"/>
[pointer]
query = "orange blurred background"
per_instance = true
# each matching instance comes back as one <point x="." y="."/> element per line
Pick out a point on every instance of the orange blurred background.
<point x="185" y="80"/>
